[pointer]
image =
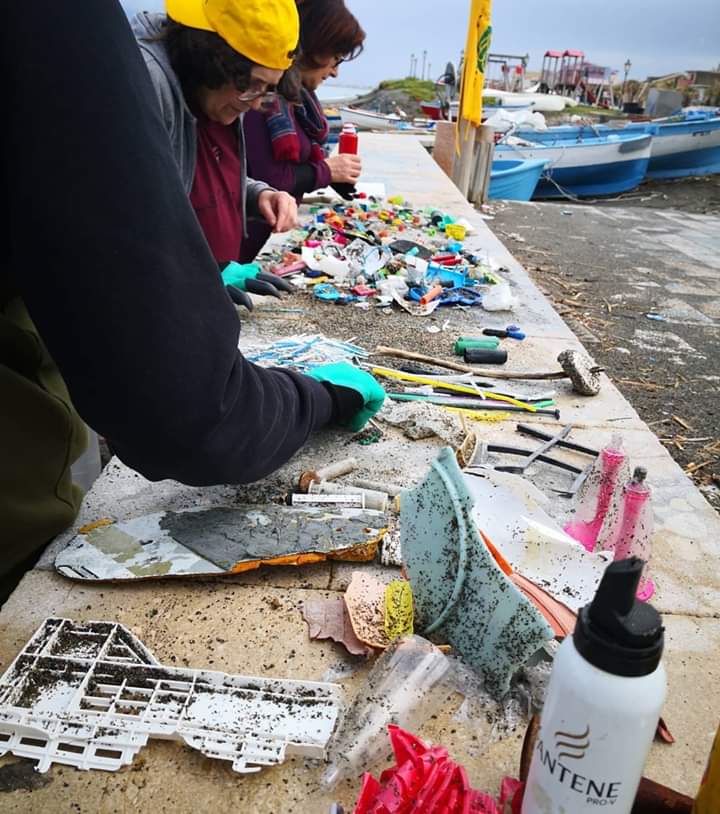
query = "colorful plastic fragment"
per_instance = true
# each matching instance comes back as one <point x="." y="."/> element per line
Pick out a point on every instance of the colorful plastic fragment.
<point x="460" y="592"/>
<point x="424" y="779"/>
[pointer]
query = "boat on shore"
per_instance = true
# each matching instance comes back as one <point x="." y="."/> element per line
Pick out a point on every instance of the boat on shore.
<point x="685" y="147"/>
<point x="598" y="165"/>
<point x="514" y="179"/>
<point x="495" y="100"/>
<point x="540" y="102"/>
<point x="369" y="120"/>
<point x="682" y="146"/>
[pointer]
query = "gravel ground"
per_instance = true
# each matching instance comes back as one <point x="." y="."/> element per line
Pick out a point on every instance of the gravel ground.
<point x="641" y="288"/>
<point x="696" y="195"/>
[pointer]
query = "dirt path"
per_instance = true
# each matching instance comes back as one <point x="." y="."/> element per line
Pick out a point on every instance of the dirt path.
<point x="641" y="288"/>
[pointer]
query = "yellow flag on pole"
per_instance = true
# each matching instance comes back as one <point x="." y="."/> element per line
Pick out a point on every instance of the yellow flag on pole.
<point x="477" y="48"/>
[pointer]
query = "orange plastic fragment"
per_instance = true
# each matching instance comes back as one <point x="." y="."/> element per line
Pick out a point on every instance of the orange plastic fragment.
<point x="504" y="565"/>
<point x="96" y="524"/>
<point x="363" y="552"/>
<point x="431" y="295"/>
<point x="560" y="618"/>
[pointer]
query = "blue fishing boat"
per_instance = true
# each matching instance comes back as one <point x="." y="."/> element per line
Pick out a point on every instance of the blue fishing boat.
<point x="686" y="146"/>
<point x="335" y="121"/>
<point x="514" y="179"/>
<point x="683" y="145"/>
<point x="598" y="165"/>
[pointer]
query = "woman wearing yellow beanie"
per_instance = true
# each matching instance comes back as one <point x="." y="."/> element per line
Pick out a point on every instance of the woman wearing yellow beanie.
<point x="210" y="61"/>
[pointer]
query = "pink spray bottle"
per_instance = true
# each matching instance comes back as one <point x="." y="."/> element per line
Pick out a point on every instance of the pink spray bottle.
<point x="630" y="534"/>
<point x="599" y="498"/>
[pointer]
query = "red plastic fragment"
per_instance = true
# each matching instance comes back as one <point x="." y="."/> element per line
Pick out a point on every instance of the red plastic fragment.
<point x="662" y="732"/>
<point x="425" y="781"/>
<point x="364" y="291"/>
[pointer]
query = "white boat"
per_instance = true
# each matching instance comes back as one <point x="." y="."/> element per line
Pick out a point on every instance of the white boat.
<point x="540" y="102"/>
<point x="507" y="100"/>
<point x="368" y="120"/>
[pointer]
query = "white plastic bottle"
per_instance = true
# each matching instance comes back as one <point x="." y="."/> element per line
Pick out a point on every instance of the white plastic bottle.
<point x="603" y="704"/>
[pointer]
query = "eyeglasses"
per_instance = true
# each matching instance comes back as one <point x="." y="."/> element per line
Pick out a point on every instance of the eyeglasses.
<point x="251" y="95"/>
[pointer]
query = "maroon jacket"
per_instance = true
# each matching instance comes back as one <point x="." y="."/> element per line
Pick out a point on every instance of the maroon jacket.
<point x="295" y="178"/>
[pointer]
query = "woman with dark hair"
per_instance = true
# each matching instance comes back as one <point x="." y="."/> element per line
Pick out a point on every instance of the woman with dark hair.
<point x="286" y="137"/>
<point x="210" y="61"/>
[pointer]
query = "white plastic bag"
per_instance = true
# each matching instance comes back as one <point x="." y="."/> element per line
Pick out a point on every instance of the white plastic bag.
<point x="499" y="298"/>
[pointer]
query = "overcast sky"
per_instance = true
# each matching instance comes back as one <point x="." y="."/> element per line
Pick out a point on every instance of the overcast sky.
<point x="658" y="36"/>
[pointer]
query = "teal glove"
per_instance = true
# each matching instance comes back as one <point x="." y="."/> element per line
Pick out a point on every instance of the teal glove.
<point x="240" y="278"/>
<point x="237" y="274"/>
<point x="343" y="375"/>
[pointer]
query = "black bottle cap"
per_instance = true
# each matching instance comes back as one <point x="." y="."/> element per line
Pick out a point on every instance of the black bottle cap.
<point x="616" y="632"/>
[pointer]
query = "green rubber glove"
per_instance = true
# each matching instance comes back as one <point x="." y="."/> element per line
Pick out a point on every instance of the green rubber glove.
<point x="343" y="374"/>
<point x="237" y="274"/>
<point x="242" y="279"/>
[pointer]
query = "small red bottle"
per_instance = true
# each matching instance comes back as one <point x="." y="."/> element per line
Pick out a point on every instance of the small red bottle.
<point x="348" y="141"/>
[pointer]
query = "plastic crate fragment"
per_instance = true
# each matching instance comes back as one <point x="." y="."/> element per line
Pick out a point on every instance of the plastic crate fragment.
<point x="91" y="695"/>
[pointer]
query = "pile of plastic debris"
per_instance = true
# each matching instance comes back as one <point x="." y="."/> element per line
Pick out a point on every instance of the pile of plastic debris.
<point x="383" y="252"/>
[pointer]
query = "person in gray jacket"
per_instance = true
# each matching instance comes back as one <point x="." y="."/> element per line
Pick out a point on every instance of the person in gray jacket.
<point x="209" y="62"/>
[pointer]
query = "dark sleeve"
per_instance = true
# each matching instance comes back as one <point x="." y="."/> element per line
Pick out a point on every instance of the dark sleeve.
<point x="297" y="179"/>
<point x="322" y="174"/>
<point x="106" y="251"/>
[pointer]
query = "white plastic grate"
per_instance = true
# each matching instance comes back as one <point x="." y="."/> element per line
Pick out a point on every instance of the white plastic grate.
<point x="90" y="695"/>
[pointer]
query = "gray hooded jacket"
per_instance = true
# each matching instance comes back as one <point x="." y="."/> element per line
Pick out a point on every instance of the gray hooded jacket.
<point x="179" y="120"/>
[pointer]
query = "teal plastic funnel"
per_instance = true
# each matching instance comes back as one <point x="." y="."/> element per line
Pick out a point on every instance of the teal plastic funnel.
<point x="461" y="595"/>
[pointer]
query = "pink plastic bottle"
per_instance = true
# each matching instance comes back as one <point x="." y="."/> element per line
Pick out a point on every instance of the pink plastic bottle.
<point x="631" y="535"/>
<point x="599" y="498"/>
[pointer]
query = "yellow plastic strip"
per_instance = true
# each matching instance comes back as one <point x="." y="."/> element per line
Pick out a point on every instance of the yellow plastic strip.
<point x="456" y="388"/>
<point x="398" y="609"/>
<point x="478" y="415"/>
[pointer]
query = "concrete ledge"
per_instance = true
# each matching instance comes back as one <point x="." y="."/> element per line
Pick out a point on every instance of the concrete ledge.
<point x="252" y="623"/>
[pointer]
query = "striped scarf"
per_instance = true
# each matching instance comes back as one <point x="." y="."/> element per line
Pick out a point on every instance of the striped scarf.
<point x="283" y="120"/>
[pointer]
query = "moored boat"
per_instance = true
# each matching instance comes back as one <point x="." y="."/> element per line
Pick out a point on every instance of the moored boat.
<point x="598" y="165"/>
<point x="540" y="102"/>
<point x="514" y="179"/>
<point x="369" y="120"/>
<point x="686" y="147"/>
<point x="682" y="146"/>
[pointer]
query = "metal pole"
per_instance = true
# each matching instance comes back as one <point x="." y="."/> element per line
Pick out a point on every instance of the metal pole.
<point x="627" y="67"/>
<point x="422" y="75"/>
<point x="429" y="74"/>
<point x="412" y="60"/>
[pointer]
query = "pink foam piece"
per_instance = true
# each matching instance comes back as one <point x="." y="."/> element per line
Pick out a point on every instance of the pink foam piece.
<point x="585" y="533"/>
<point x="646" y="593"/>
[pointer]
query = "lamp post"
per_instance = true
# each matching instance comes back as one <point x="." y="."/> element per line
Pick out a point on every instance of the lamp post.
<point x="627" y="67"/>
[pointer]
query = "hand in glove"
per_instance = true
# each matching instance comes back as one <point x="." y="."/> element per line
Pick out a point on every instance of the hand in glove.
<point x="356" y="394"/>
<point x="243" y="278"/>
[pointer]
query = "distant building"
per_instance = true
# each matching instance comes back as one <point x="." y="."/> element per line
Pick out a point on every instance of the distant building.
<point x="699" y="87"/>
<point x="703" y="83"/>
